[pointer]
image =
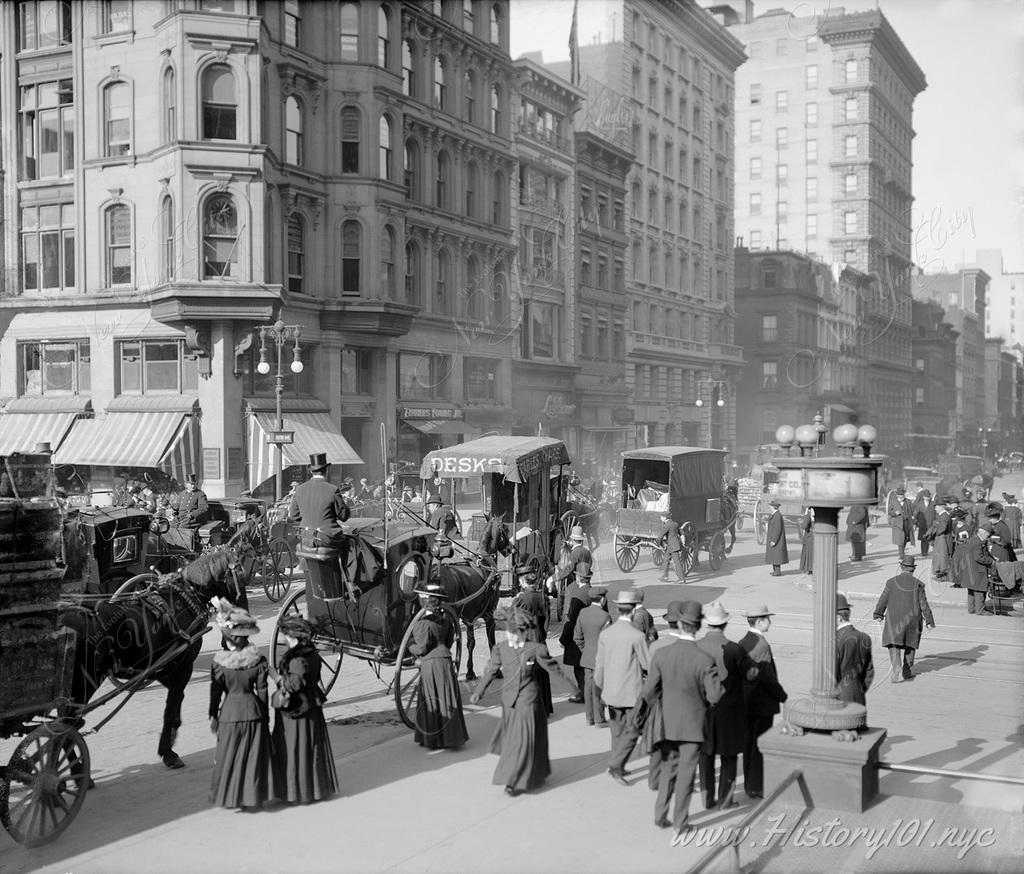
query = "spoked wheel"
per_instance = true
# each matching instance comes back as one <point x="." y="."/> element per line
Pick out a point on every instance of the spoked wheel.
<point x="43" y="787"/>
<point x="277" y="569"/>
<point x="716" y="551"/>
<point x="568" y="521"/>
<point x="760" y="523"/>
<point x="133" y="585"/>
<point x="407" y="673"/>
<point x="657" y="556"/>
<point x="627" y="553"/>
<point x="330" y="653"/>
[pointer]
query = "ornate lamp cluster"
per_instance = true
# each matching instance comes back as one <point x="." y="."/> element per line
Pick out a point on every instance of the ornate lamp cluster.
<point x="279" y="333"/>
<point x="811" y="438"/>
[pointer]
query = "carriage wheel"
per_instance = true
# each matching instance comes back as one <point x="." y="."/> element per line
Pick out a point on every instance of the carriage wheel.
<point x="716" y="550"/>
<point x="138" y="583"/>
<point x="327" y="647"/>
<point x="627" y="553"/>
<point x="277" y="569"/>
<point x="43" y="787"/>
<point x="657" y="556"/>
<point x="760" y="523"/>
<point x="568" y="521"/>
<point x="407" y="673"/>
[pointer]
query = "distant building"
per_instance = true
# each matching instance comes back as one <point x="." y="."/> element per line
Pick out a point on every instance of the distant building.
<point x="1004" y="302"/>
<point x="934" y="351"/>
<point x="1002" y="423"/>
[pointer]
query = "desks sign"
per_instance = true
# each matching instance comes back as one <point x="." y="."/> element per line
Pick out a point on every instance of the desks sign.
<point x="280" y="437"/>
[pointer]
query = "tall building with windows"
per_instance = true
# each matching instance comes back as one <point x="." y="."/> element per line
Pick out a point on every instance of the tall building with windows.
<point x="675" y="65"/>
<point x="1004" y="304"/>
<point x="177" y="174"/>
<point x="824" y="159"/>
<point x="935" y="383"/>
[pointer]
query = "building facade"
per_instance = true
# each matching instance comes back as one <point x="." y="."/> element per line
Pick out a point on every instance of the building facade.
<point x="1002" y="425"/>
<point x="1004" y="303"/>
<point x="675" y="67"/>
<point x="178" y="174"/>
<point x="935" y="383"/>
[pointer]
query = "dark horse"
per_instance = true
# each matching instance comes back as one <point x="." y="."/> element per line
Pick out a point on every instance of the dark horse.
<point x="730" y="511"/>
<point x="156" y="632"/>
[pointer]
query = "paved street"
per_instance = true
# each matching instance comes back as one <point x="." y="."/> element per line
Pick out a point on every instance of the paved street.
<point x="403" y="809"/>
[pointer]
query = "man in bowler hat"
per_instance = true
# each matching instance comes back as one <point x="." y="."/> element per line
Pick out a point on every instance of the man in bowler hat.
<point x="193" y="507"/>
<point x="319" y="506"/>
<point x="589" y="625"/>
<point x="621" y="663"/>
<point x="684" y="679"/>
<point x="855" y="670"/>
<point x="776" y="551"/>
<point x="901" y="519"/>
<point x="904" y="607"/>
<point x="442" y="518"/>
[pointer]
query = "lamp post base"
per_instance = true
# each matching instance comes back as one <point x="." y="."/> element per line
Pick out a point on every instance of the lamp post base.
<point x="826" y="714"/>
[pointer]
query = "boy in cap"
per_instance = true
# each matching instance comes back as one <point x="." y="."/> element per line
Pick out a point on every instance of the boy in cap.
<point x="904" y="607"/>
<point x="776" y="550"/>
<point x="619" y="668"/>
<point x="855" y="670"/>
<point x="589" y="625"/>
<point x="764" y="697"/>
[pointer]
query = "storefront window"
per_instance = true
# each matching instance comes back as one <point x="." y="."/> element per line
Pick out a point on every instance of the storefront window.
<point x="357" y="371"/>
<point x="480" y="379"/>
<point x="423" y="376"/>
<point x="157" y="366"/>
<point x="53" y="368"/>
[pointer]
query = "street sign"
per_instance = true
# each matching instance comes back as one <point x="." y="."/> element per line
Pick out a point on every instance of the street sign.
<point x="280" y="437"/>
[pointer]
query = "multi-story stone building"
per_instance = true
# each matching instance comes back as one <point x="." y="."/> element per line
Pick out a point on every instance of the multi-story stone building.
<point x="1002" y="425"/>
<point x="934" y="386"/>
<point x="1004" y="303"/>
<point x="823" y="156"/>
<point x="962" y="295"/>
<point x="178" y="174"/>
<point x="675" y="65"/>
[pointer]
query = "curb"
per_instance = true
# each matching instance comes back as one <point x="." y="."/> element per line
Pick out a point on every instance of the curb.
<point x="868" y="596"/>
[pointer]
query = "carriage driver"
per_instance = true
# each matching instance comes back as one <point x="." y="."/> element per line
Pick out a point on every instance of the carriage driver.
<point x="193" y="508"/>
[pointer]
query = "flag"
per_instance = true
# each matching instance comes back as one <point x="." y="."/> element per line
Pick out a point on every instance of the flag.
<point x="574" y="45"/>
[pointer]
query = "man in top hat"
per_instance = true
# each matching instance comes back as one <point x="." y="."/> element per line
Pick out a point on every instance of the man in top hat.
<point x="974" y="569"/>
<point x="924" y="516"/>
<point x="193" y="508"/>
<point x="589" y="625"/>
<point x="776" y="550"/>
<point x="901" y="519"/>
<point x="727" y="720"/>
<point x="565" y="573"/>
<point x="319" y="506"/>
<point x="684" y="679"/>
<point x="673" y="541"/>
<point x="577" y="598"/>
<point x="904" y="607"/>
<point x="940" y="535"/>
<point x="764" y="696"/>
<point x="1012" y="517"/>
<point x="621" y="662"/>
<point x="441" y="517"/>
<point x="855" y="670"/>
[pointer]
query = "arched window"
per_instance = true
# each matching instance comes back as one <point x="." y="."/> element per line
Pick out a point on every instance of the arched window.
<point x="220" y="238"/>
<point x="408" y="68"/>
<point x="351" y="249"/>
<point x="413" y="273"/>
<point x="170" y="114"/>
<point x="443" y="279"/>
<point x="293" y="131"/>
<point x="472" y="188"/>
<point x="117" y="119"/>
<point x="296" y="253"/>
<point x="495" y="24"/>
<point x="387" y="264"/>
<point x="440" y="83"/>
<point x="118" y="226"/>
<point x="469" y="96"/>
<point x="350" y="122"/>
<point x="411" y="166"/>
<point x="167" y="230"/>
<point x="383" y="38"/>
<point x="385" y="148"/>
<point x="350" y="31"/>
<point x="499" y="194"/>
<point x="495" y="110"/>
<point x="443" y="181"/>
<point x="220" y="105"/>
<point x="474" y="291"/>
<point x="499" y="294"/>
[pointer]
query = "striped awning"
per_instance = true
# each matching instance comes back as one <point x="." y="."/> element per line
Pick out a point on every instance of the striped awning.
<point x="314" y="432"/>
<point x="20" y="432"/>
<point x="168" y="441"/>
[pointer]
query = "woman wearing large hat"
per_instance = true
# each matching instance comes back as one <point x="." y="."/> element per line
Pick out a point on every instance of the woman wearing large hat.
<point x="440" y="723"/>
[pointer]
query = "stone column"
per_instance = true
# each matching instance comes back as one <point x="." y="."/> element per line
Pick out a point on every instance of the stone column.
<point x="826" y="554"/>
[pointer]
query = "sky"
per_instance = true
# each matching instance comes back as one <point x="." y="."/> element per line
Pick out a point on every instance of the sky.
<point x="968" y="152"/>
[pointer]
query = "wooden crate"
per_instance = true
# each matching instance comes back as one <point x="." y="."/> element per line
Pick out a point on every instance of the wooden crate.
<point x="30" y="590"/>
<point x="29" y="531"/>
<point x="35" y="672"/>
<point x="17" y="627"/>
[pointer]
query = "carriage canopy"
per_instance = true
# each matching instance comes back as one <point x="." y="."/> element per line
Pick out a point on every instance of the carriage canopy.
<point x="514" y="458"/>
<point x="691" y="477"/>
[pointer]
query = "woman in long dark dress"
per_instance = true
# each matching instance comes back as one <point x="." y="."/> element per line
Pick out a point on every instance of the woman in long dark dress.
<point x="807" y="541"/>
<point x="440" y="723"/>
<point x="521" y="740"/>
<point x="534" y="602"/>
<point x="302" y="747"/>
<point x="242" y="764"/>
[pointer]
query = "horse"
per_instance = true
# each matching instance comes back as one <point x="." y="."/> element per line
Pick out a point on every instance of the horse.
<point x="472" y="591"/>
<point x="156" y="633"/>
<point x="730" y="511"/>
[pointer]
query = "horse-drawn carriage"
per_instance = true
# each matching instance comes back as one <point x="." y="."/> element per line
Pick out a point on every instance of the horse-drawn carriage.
<point x="791" y="510"/>
<point x="684" y="482"/>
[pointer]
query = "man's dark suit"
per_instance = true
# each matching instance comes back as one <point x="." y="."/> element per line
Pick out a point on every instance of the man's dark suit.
<point x="685" y="680"/>
<point x="764" y="697"/>
<point x="727" y="722"/>
<point x="673" y="549"/>
<point x="321" y="509"/>
<point x="193" y="509"/>
<point x="855" y="669"/>
<point x="577" y="598"/>
<point x="924" y="518"/>
<point x="589" y="624"/>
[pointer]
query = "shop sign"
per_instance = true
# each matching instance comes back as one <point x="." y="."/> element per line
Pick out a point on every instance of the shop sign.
<point x="622" y="415"/>
<point x="556" y="408"/>
<point x="362" y="410"/>
<point x="430" y="413"/>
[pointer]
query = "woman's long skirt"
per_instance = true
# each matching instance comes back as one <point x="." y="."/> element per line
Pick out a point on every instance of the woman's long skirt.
<point x="521" y="743"/>
<point x="440" y="723"/>
<point x="242" y="765"/>
<point x="305" y="761"/>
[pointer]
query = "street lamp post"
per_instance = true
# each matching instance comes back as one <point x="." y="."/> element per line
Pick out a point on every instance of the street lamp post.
<point x="713" y="402"/>
<point x="279" y="333"/>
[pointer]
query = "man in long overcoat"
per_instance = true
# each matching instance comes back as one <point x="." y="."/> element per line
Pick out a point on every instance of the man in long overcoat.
<point x="776" y="551"/>
<point x="924" y="516"/>
<point x="901" y="519"/>
<point x="764" y="697"/>
<point x="576" y="599"/>
<point x="318" y="505"/>
<point x="726" y="732"/>
<point x="904" y="607"/>
<point x="193" y="507"/>
<point x="1012" y="516"/>
<point x="857" y="522"/>
<point x="994" y="516"/>
<point x="855" y="670"/>
<point x="974" y="570"/>
<point x="589" y="625"/>
<point x="940" y="534"/>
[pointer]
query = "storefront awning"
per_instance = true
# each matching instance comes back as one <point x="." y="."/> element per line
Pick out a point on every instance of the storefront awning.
<point x="314" y="432"/>
<point x="20" y="432"/>
<point x="443" y="426"/>
<point x="168" y="441"/>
